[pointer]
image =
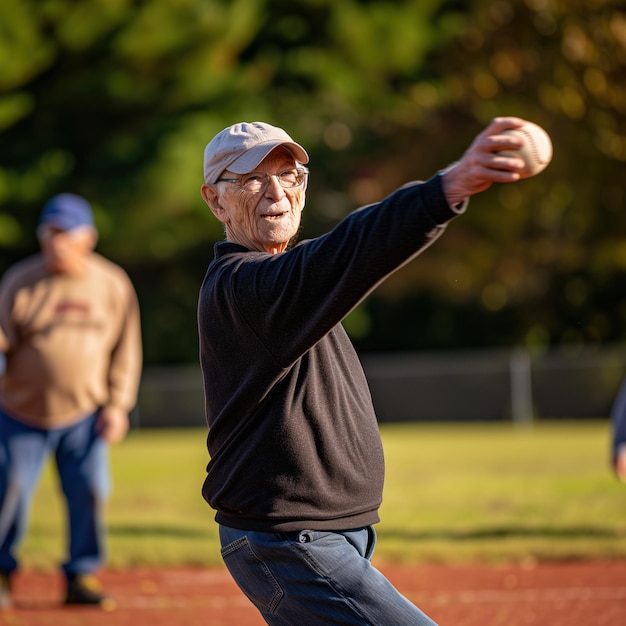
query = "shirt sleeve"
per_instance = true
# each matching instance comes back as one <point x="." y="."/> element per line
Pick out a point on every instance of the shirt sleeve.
<point x="292" y="300"/>
<point x="7" y="332"/>
<point x="126" y="358"/>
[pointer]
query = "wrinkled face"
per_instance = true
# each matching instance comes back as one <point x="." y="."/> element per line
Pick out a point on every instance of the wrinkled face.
<point x="65" y="251"/>
<point x="264" y="220"/>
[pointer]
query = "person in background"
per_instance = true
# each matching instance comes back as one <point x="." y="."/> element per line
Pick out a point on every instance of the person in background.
<point x="71" y="340"/>
<point x="618" y="426"/>
<point x="296" y="461"/>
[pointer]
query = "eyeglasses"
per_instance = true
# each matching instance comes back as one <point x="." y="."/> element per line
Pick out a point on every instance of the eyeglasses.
<point x="255" y="182"/>
<point x="46" y="232"/>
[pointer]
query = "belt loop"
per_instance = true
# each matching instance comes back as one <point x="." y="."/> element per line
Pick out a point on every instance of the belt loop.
<point x="371" y="542"/>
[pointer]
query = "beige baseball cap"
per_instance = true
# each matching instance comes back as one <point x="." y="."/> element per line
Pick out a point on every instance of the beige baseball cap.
<point x="241" y="147"/>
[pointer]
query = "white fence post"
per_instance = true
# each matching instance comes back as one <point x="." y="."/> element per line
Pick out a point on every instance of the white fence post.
<point x="521" y="388"/>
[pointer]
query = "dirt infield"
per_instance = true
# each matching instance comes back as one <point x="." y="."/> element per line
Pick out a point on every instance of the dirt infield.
<point x="546" y="594"/>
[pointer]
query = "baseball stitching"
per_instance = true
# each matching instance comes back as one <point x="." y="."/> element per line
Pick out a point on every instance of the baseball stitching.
<point x="533" y="146"/>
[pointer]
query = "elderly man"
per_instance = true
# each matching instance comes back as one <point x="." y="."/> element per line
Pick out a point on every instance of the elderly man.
<point x="69" y="329"/>
<point x="296" y="469"/>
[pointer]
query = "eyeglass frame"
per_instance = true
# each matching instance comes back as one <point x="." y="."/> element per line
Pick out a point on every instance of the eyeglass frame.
<point x="48" y="231"/>
<point x="301" y="171"/>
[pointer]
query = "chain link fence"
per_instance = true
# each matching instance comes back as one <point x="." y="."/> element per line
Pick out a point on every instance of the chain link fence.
<point x="485" y="385"/>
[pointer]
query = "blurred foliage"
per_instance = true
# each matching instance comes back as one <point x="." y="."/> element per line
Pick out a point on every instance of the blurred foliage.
<point x="541" y="262"/>
<point x="115" y="100"/>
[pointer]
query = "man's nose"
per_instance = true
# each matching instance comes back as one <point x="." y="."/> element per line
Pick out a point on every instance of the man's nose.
<point x="274" y="188"/>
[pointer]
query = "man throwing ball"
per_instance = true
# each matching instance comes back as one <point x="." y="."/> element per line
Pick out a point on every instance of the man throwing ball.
<point x="296" y="470"/>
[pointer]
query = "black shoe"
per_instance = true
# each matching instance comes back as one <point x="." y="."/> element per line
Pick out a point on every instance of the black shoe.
<point x="86" y="590"/>
<point x="5" y="591"/>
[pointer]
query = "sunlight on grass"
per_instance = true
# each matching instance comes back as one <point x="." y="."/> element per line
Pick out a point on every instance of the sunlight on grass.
<point x="452" y="493"/>
<point x="456" y="492"/>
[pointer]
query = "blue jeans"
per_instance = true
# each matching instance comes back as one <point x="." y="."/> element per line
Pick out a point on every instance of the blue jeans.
<point x="310" y="577"/>
<point x="81" y="458"/>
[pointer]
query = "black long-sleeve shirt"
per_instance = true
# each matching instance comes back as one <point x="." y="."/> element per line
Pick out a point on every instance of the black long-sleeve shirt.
<point x="293" y="436"/>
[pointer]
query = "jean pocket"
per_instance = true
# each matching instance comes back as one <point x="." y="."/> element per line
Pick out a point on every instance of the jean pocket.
<point x="252" y="575"/>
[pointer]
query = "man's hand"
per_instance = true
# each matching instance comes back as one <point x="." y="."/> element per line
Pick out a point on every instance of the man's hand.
<point x="481" y="165"/>
<point x="112" y="424"/>
<point x="620" y="463"/>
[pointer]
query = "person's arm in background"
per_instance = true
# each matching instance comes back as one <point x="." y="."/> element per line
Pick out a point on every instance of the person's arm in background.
<point x="124" y="374"/>
<point x="618" y="425"/>
<point x="5" y="324"/>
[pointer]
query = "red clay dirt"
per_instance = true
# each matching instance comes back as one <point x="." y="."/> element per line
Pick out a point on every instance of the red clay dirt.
<point x="575" y="593"/>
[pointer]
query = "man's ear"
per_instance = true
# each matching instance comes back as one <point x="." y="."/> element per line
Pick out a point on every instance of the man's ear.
<point x="212" y="198"/>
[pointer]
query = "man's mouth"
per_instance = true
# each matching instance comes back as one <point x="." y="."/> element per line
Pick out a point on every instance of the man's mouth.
<point x="273" y="215"/>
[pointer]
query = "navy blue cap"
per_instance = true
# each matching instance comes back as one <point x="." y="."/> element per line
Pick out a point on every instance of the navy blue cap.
<point x="66" y="211"/>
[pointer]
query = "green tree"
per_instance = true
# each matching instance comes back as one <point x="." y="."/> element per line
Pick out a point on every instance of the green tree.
<point x="541" y="262"/>
<point x="115" y="99"/>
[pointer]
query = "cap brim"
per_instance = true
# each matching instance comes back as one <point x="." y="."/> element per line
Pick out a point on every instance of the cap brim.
<point x="60" y="222"/>
<point x="252" y="157"/>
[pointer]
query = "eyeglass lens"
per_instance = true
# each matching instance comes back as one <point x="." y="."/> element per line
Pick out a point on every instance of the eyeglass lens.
<point x="257" y="181"/>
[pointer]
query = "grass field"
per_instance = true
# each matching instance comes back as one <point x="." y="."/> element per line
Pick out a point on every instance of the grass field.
<point x="453" y="493"/>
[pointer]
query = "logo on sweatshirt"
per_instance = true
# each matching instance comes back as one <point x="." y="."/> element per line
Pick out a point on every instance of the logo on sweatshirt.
<point x="68" y="306"/>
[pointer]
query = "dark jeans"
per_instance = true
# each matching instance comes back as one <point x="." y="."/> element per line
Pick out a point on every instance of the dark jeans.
<point x="81" y="458"/>
<point x="309" y="578"/>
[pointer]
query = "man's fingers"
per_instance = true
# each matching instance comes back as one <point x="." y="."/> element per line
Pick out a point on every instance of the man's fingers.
<point x="483" y="164"/>
<point x="112" y="424"/>
<point x="620" y="467"/>
<point x="498" y="124"/>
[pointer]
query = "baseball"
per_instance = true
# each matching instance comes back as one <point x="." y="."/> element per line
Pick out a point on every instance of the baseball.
<point x="536" y="151"/>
